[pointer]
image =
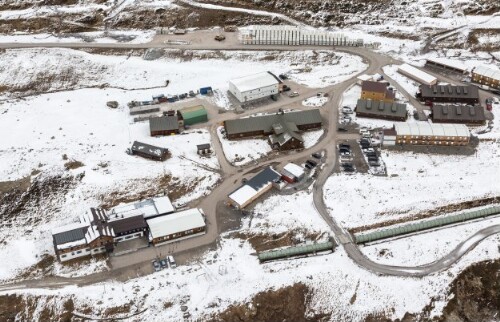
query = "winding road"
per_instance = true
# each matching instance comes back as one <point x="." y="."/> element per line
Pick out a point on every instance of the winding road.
<point x="232" y="175"/>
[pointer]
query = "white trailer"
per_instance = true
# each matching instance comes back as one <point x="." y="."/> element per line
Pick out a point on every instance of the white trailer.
<point x="253" y="87"/>
<point x="417" y="75"/>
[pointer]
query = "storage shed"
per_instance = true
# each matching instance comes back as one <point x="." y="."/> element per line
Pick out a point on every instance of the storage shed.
<point x="194" y="114"/>
<point x="253" y="87"/>
<point x="292" y="173"/>
<point x="177" y="226"/>
<point x="417" y="75"/>
<point x="381" y="110"/>
<point x="163" y="125"/>
<point x="204" y="149"/>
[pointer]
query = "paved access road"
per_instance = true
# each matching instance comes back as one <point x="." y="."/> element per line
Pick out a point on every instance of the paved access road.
<point x="232" y="175"/>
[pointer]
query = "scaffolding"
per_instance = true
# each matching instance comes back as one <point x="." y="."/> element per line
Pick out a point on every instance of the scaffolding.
<point x="425" y="225"/>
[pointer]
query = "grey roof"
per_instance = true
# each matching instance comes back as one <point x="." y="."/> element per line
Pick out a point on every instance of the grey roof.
<point x="163" y="123"/>
<point x="148" y="149"/>
<point x="203" y="146"/>
<point x="70" y="235"/>
<point x="458" y="113"/>
<point x="262" y="178"/>
<point x="284" y="132"/>
<point x="265" y="122"/>
<point x="128" y="223"/>
<point x="452" y="91"/>
<point x="382" y="109"/>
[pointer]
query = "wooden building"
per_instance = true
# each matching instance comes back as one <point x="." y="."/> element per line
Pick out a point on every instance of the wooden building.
<point x="177" y="226"/>
<point x="423" y="133"/>
<point x="376" y="91"/>
<point x="163" y="125"/>
<point x="448" y="94"/>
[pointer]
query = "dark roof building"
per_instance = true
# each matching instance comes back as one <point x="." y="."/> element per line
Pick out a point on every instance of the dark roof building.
<point x="149" y="151"/>
<point x="128" y="225"/>
<point x="454" y="113"/>
<point x="449" y="94"/>
<point x="263" y="178"/>
<point x="163" y="125"/>
<point x="381" y="110"/>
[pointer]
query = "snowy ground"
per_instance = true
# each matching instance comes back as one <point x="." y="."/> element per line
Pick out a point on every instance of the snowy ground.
<point x="315" y="101"/>
<point x="410" y="86"/>
<point x="79" y="125"/>
<point x="240" y="152"/>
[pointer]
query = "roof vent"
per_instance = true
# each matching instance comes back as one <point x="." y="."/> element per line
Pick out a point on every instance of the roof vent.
<point x="459" y="110"/>
<point x="434" y="89"/>
<point x="458" y="89"/>
<point x="368" y="105"/>
<point x="472" y="110"/>
<point x="381" y="106"/>
<point x="466" y="90"/>
<point x="442" y="89"/>
<point x="445" y="110"/>
<point x="450" y="90"/>
<point x="394" y="108"/>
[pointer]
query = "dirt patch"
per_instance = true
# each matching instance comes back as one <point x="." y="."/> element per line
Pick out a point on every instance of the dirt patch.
<point x="152" y="187"/>
<point x="20" y="185"/>
<point x="285" y="304"/>
<point x="73" y="164"/>
<point x="430" y="213"/>
<point x="475" y="42"/>
<point x="266" y="242"/>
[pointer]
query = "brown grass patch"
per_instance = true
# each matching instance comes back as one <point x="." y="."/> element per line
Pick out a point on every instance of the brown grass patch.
<point x="266" y="242"/>
<point x="73" y="164"/>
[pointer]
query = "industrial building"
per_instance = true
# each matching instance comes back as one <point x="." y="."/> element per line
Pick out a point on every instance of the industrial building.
<point x="87" y="237"/>
<point x="149" y="151"/>
<point x="294" y="36"/>
<point x="486" y="76"/>
<point x="193" y="115"/>
<point x="455" y="113"/>
<point x="417" y="75"/>
<point x="292" y="173"/>
<point x="423" y="133"/>
<point x="448" y="94"/>
<point x="163" y="125"/>
<point x="381" y="110"/>
<point x="180" y="225"/>
<point x="446" y="64"/>
<point x="254" y="188"/>
<point x="376" y="91"/>
<point x="282" y="128"/>
<point x="254" y="87"/>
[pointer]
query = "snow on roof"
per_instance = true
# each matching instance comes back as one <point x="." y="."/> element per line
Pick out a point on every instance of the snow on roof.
<point x="176" y="223"/>
<point x="417" y="74"/>
<point x="72" y="244"/>
<point x="431" y="129"/>
<point x="365" y="77"/>
<point x="250" y="82"/>
<point x="163" y="205"/>
<point x="73" y="226"/>
<point x="488" y="72"/>
<point x="243" y="194"/>
<point x="294" y="169"/>
<point x="458" y="64"/>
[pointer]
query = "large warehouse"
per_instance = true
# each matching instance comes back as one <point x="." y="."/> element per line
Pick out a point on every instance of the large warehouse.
<point x="417" y="75"/>
<point x="193" y="115"/>
<point x="253" y="87"/>
<point x="486" y="76"/>
<point x="423" y="133"/>
<point x="448" y="94"/>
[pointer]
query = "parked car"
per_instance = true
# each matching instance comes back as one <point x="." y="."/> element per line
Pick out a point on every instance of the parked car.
<point x="163" y="264"/>
<point x="342" y="129"/>
<point x="374" y="163"/>
<point x="369" y="150"/>
<point x="286" y="88"/>
<point x="316" y="155"/>
<point x="192" y="94"/>
<point x="171" y="261"/>
<point x="283" y="76"/>
<point x="308" y="166"/>
<point x="347" y="110"/>
<point x="294" y="94"/>
<point x="156" y="265"/>
<point x="344" y="145"/>
<point x="312" y="163"/>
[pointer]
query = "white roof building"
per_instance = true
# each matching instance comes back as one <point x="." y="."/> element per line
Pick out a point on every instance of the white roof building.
<point x="294" y="170"/>
<point x="243" y="195"/>
<point x="149" y="208"/>
<point x="431" y="129"/>
<point x="252" y="87"/>
<point x="175" y="223"/>
<point x="416" y="74"/>
<point x="488" y="72"/>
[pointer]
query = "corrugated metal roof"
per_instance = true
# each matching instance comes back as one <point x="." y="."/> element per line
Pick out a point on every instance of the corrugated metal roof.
<point x="176" y="223"/>
<point x="421" y="76"/>
<point x="70" y="235"/>
<point x="488" y="72"/>
<point x="251" y="82"/>
<point x="193" y="111"/>
<point x="430" y="129"/>
<point x="163" y="123"/>
<point x="381" y="108"/>
<point x="265" y="122"/>
<point x="263" y="178"/>
<point x="148" y="149"/>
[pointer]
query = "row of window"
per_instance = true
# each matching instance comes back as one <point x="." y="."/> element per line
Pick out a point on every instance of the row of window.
<point x="430" y="142"/>
<point x="428" y="137"/>
<point x="86" y="250"/>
